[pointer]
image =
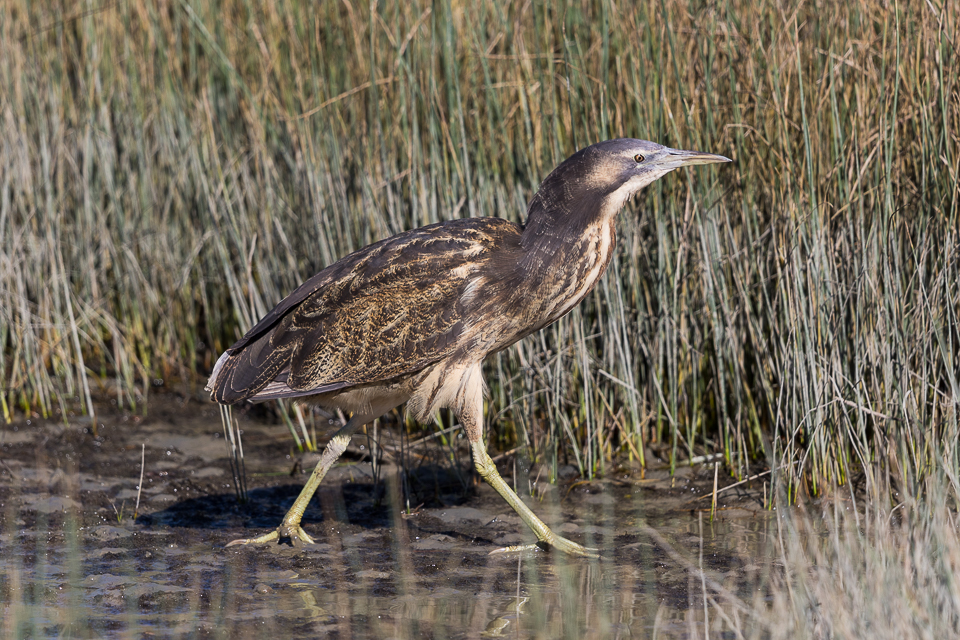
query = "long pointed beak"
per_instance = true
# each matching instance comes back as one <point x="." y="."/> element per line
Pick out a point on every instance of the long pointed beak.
<point x="675" y="158"/>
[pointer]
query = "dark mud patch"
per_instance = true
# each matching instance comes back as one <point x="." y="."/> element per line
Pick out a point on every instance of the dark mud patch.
<point x="403" y="549"/>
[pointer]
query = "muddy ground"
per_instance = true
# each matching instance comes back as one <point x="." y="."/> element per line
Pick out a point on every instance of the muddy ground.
<point x="405" y="554"/>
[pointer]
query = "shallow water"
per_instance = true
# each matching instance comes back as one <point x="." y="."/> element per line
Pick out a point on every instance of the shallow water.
<point x="73" y="562"/>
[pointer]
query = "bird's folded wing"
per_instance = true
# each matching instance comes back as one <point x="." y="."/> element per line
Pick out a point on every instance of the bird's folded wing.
<point x="385" y="311"/>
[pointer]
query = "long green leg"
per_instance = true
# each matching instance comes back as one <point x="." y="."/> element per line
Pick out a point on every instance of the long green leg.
<point x="290" y="528"/>
<point x="488" y="470"/>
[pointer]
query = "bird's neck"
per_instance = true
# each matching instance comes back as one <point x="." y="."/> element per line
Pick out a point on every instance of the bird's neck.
<point x="561" y="217"/>
<point x="566" y="249"/>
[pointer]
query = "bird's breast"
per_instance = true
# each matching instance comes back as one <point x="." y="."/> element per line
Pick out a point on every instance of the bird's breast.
<point x="556" y="278"/>
<point x="577" y="271"/>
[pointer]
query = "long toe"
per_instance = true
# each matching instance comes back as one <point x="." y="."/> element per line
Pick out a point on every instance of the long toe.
<point x="574" y="549"/>
<point x="517" y="548"/>
<point x="561" y="544"/>
<point x="268" y="537"/>
<point x="293" y="535"/>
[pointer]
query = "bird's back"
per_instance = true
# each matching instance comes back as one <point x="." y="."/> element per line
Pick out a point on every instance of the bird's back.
<point x="385" y="311"/>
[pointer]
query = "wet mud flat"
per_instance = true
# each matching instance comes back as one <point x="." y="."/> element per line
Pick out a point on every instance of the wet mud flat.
<point x="402" y="551"/>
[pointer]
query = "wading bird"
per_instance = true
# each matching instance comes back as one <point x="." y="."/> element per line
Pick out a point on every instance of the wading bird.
<point x="410" y="319"/>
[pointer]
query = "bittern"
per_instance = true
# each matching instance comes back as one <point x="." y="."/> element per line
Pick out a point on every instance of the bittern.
<point x="410" y="319"/>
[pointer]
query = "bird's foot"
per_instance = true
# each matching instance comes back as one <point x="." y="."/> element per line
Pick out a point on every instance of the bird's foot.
<point x="292" y="534"/>
<point x="561" y="544"/>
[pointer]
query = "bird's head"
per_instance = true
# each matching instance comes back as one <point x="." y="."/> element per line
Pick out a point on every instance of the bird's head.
<point x="626" y="165"/>
<point x="597" y="180"/>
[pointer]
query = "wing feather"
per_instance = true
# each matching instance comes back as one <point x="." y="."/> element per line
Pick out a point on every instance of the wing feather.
<point x="385" y="311"/>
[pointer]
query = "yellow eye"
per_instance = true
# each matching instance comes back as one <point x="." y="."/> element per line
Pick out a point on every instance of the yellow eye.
<point x="638" y="158"/>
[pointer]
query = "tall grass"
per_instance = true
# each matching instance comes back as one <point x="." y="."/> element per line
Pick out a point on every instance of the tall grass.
<point x="869" y="569"/>
<point x="170" y="170"/>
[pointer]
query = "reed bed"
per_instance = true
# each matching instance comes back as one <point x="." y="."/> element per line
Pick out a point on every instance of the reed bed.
<point x="870" y="569"/>
<point x="170" y="170"/>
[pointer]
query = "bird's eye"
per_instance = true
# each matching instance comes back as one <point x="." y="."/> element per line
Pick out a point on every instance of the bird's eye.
<point x="638" y="157"/>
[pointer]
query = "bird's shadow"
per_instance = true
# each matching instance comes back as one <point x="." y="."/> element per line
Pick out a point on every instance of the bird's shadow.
<point x="263" y="508"/>
<point x="365" y="504"/>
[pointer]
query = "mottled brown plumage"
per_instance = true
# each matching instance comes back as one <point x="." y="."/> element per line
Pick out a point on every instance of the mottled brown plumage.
<point x="377" y="314"/>
<point x="411" y="318"/>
